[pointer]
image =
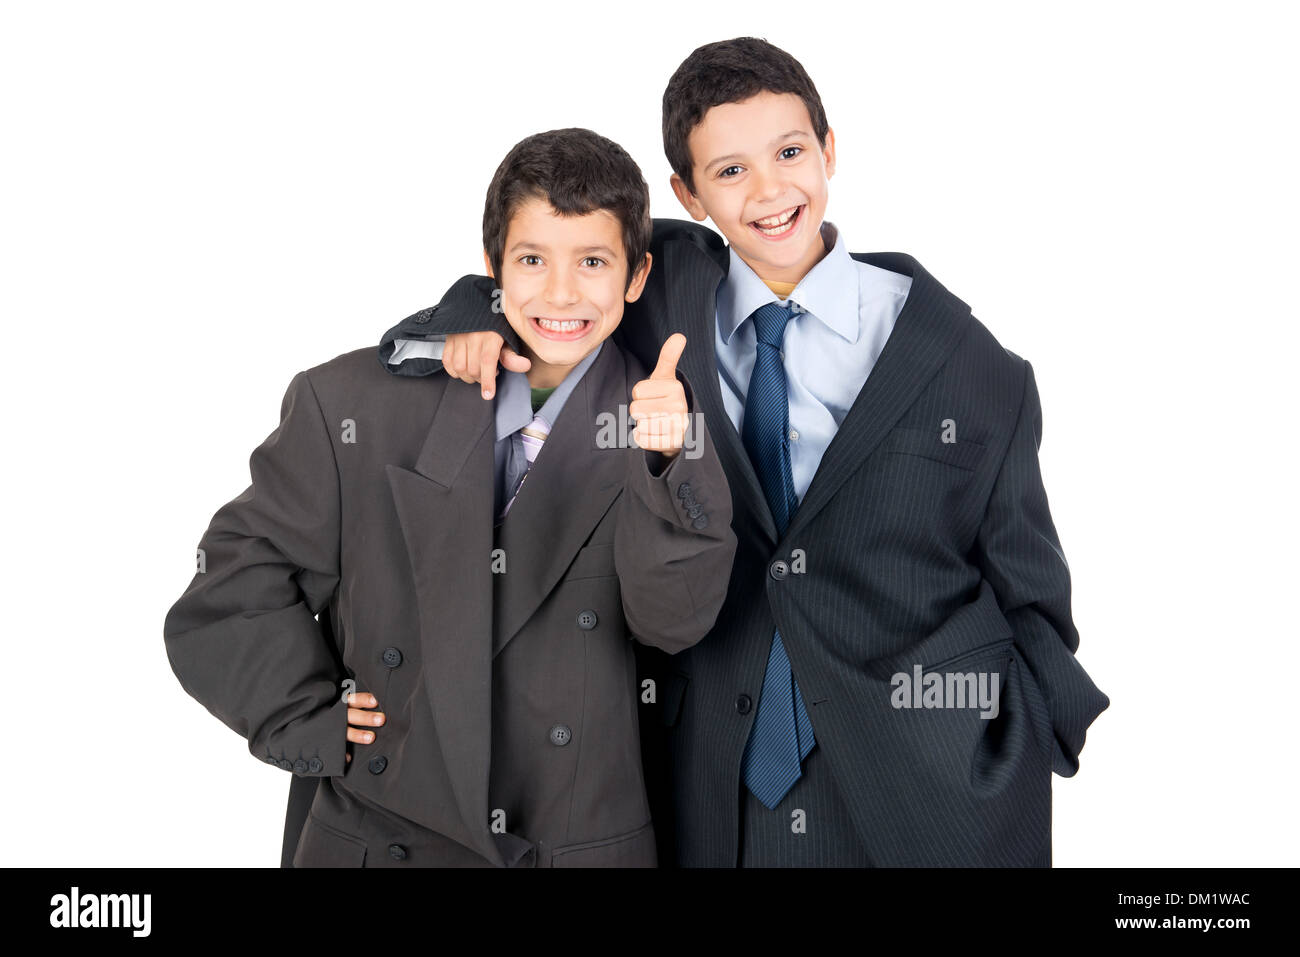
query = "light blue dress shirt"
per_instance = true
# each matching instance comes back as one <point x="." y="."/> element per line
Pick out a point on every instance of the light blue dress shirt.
<point x="847" y="310"/>
<point x="514" y="410"/>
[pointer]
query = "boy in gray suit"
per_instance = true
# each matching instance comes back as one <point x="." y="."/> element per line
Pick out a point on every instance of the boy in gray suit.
<point x="480" y="567"/>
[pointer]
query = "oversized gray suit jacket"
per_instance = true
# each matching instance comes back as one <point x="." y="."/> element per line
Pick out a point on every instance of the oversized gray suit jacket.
<point x="511" y="696"/>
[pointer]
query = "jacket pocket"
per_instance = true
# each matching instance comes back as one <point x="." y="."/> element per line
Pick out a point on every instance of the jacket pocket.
<point x="633" y="849"/>
<point x="324" y="846"/>
<point x="994" y="649"/>
<point x="963" y="454"/>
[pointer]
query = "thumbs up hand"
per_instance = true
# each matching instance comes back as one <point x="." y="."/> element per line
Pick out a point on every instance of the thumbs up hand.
<point x="659" y="403"/>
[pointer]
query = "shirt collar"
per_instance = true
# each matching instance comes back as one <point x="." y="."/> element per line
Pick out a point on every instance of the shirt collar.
<point x="514" y="408"/>
<point x="829" y="291"/>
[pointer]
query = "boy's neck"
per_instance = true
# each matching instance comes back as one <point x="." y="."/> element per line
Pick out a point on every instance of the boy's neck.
<point x="542" y="375"/>
<point x="782" y="289"/>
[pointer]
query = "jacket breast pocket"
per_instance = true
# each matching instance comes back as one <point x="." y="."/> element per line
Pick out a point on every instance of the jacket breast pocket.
<point x="929" y="444"/>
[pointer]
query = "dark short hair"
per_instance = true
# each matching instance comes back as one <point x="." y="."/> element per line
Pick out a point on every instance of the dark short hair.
<point x="730" y="71"/>
<point x="577" y="172"/>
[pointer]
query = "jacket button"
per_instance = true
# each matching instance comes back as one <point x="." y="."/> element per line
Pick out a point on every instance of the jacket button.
<point x="743" y="704"/>
<point x="377" y="764"/>
<point x="314" y="765"/>
<point x="299" y="766"/>
<point x="700" y="521"/>
<point x="271" y="760"/>
<point x="560" y="735"/>
<point x="392" y="657"/>
<point x="684" y="490"/>
<point x="397" y="852"/>
<point x="779" y="569"/>
<point x="694" y="510"/>
<point x="587" y="619"/>
<point x="285" y="764"/>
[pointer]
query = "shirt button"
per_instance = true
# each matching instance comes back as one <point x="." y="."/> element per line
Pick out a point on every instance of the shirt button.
<point x="794" y="435"/>
<point x="587" y="619"/>
<point x="779" y="570"/>
<point x="743" y="704"/>
<point x="392" y="657"/>
<point x="560" y="735"/>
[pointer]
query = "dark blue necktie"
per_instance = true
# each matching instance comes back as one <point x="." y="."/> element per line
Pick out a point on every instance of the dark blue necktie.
<point x="782" y="733"/>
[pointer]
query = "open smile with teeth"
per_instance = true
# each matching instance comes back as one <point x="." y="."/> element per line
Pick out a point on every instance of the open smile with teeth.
<point x="561" y="328"/>
<point x="778" y="225"/>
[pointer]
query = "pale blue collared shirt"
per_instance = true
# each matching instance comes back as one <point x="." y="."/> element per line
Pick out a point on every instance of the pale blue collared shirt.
<point x="847" y="310"/>
<point x="514" y="410"/>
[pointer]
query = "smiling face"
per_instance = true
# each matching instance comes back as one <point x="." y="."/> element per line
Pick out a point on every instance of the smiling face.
<point x="563" y="284"/>
<point x="762" y="177"/>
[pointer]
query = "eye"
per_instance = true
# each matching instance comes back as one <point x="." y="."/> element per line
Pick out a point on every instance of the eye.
<point x="594" y="261"/>
<point x="530" y="256"/>
<point x="726" y="171"/>
<point x="790" y="152"/>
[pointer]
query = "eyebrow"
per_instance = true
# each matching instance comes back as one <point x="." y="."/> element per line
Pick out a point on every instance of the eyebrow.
<point x="776" y="139"/>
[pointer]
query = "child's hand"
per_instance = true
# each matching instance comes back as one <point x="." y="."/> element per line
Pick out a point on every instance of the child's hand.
<point x="362" y="719"/>
<point x="659" y="403"/>
<point x="473" y="356"/>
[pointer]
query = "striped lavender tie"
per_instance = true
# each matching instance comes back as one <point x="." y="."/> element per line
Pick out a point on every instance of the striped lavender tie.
<point x="533" y="435"/>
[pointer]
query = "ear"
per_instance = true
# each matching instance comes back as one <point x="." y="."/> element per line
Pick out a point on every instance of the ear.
<point x="487" y="263"/>
<point x="638" y="280"/>
<point x="828" y="152"/>
<point x="687" y="198"/>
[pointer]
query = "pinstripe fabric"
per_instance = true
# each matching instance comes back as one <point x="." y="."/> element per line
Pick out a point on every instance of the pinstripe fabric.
<point x="782" y="734"/>
<point x="918" y="552"/>
<point x="810" y="827"/>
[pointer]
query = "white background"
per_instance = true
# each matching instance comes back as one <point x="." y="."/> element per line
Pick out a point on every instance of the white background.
<point x="199" y="200"/>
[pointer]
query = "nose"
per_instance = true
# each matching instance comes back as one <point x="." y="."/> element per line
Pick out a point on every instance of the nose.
<point x="768" y="184"/>
<point x="561" y="288"/>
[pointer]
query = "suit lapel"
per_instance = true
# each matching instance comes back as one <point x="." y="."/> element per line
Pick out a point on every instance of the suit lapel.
<point x="569" y="488"/>
<point x="444" y="506"/>
<point x="929" y="326"/>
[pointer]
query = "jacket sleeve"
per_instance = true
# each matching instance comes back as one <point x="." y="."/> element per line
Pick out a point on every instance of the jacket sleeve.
<point x="414" y="346"/>
<point x="673" y="542"/>
<point x="243" y="639"/>
<point x="1020" y="556"/>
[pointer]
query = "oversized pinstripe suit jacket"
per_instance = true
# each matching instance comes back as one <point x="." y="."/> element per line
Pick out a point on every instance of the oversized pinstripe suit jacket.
<point x="918" y="552"/>
<point x="390" y="539"/>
